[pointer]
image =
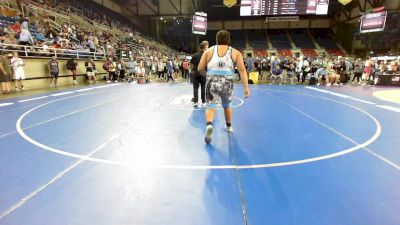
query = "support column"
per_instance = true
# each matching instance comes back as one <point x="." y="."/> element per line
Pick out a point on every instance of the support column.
<point x="158" y="29"/>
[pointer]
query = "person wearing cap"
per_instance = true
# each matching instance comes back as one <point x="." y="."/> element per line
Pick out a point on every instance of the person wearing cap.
<point x="5" y="72"/>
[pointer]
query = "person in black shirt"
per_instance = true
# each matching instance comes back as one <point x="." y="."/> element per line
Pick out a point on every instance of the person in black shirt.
<point x="90" y="70"/>
<point x="72" y="64"/>
<point x="198" y="79"/>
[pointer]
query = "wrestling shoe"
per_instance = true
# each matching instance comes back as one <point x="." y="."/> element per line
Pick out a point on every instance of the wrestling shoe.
<point x="209" y="130"/>
<point x="229" y="129"/>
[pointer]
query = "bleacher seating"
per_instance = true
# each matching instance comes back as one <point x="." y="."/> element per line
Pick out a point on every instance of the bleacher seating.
<point x="309" y="52"/>
<point x="238" y="39"/>
<point x="7" y="21"/>
<point x="284" y="52"/>
<point x="334" y="52"/>
<point x="279" y="39"/>
<point x="257" y="39"/>
<point x="324" y="38"/>
<point x="301" y="39"/>
<point x="260" y="53"/>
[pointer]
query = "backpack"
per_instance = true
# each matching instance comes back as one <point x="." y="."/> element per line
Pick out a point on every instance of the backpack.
<point x="313" y="81"/>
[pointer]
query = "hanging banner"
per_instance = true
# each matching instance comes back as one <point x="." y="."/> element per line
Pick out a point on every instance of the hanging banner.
<point x="345" y="2"/>
<point x="230" y="3"/>
<point x="254" y="77"/>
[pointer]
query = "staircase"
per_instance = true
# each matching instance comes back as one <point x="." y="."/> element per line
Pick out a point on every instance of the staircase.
<point x="291" y="40"/>
<point x="270" y="48"/>
<point x="313" y="40"/>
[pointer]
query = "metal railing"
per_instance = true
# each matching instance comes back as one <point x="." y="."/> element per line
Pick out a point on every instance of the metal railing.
<point x="36" y="8"/>
<point x="32" y="51"/>
<point x="9" y="4"/>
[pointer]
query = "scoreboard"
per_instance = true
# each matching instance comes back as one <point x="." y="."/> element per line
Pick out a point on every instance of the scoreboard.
<point x="373" y="22"/>
<point x="283" y="7"/>
<point x="199" y="23"/>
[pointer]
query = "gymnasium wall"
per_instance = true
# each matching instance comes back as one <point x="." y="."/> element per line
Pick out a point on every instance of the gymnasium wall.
<point x="37" y="73"/>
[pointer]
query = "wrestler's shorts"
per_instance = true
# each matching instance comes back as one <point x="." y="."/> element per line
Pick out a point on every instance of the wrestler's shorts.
<point x="219" y="90"/>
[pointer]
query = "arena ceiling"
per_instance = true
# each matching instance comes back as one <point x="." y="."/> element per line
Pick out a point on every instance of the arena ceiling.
<point x="157" y="8"/>
<point x="215" y="8"/>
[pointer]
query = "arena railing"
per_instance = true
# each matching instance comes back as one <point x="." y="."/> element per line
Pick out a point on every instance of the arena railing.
<point x="32" y="51"/>
<point x="59" y="16"/>
<point x="8" y="4"/>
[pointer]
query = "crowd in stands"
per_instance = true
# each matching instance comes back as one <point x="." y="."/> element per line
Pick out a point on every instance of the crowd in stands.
<point x="320" y="70"/>
<point x="45" y="39"/>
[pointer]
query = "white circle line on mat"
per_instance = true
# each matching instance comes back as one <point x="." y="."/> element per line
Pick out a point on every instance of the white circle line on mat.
<point x="203" y="167"/>
<point x="191" y="108"/>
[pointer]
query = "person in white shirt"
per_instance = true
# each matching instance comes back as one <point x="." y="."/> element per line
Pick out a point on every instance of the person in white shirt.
<point x="299" y="69"/>
<point x="306" y="70"/>
<point x="141" y="73"/>
<point x="17" y="65"/>
<point x="160" y="69"/>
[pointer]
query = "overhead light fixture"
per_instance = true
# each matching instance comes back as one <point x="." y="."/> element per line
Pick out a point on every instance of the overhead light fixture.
<point x="161" y="18"/>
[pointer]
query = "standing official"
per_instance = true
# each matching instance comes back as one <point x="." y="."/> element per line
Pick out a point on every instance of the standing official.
<point x="199" y="79"/>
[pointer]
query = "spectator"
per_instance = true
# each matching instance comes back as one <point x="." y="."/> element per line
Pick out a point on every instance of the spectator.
<point x="10" y="40"/>
<point x="185" y="66"/>
<point x="5" y="72"/>
<point x="40" y="36"/>
<point x="131" y="66"/>
<point x="17" y="65"/>
<point x="16" y="27"/>
<point x="122" y="69"/>
<point x="276" y="74"/>
<point x="25" y="23"/>
<point x="141" y="73"/>
<point x="176" y="68"/>
<point x="306" y="70"/>
<point x="160" y="69"/>
<point x="112" y="70"/>
<point x="25" y="37"/>
<point x="332" y="76"/>
<point x="358" y="70"/>
<point x="299" y="69"/>
<point x="91" y="70"/>
<point x="72" y="64"/>
<point x="170" y="70"/>
<point x="91" y="45"/>
<point x="54" y="71"/>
